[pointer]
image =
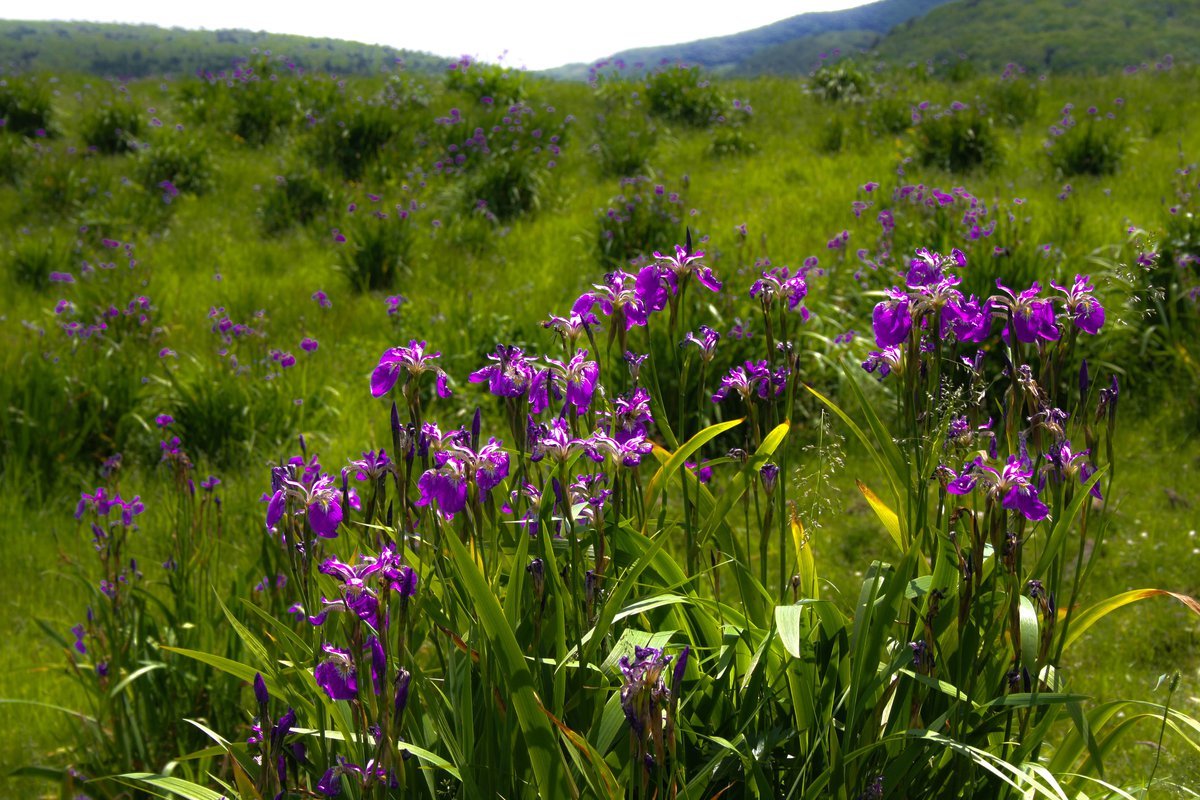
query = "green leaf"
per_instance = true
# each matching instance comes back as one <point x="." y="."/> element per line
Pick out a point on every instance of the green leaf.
<point x="178" y="786"/>
<point x="234" y="668"/>
<point x="1029" y="635"/>
<point x="133" y="676"/>
<point x="677" y="460"/>
<point x="791" y="624"/>
<point x="1086" y="619"/>
<point x="891" y="522"/>
<point x="252" y="642"/>
<point x="544" y="754"/>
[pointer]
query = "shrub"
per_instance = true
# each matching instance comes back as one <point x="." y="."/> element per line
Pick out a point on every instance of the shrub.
<point x="842" y="82"/>
<point x="1014" y="99"/>
<point x="1094" y="146"/>
<point x="295" y="198"/>
<point x="888" y="115"/>
<point x="176" y="160"/>
<point x="352" y="137"/>
<point x="375" y="246"/>
<point x="643" y="213"/>
<point x="498" y="84"/>
<point x="24" y="107"/>
<point x="958" y="139"/>
<point x="729" y="137"/>
<point x="32" y="258"/>
<point x="683" y="94"/>
<point x="112" y="128"/>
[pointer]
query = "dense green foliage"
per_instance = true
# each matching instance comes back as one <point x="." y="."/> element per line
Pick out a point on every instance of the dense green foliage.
<point x="241" y="260"/>
<point x="139" y="51"/>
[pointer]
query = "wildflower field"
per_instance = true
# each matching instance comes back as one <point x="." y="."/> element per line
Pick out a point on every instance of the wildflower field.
<point x="470" y="434"/>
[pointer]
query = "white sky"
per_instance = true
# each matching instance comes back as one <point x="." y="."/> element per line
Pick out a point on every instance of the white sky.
<point x="535" y="34"/>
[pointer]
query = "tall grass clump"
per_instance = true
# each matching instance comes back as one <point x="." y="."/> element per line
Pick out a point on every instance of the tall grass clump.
<point x="682" y="94"/>
<point x="958" y="138"/>
<point x="25" y="107"/>
<point x="1094" y="145"/>
<point x="620" y="583"/>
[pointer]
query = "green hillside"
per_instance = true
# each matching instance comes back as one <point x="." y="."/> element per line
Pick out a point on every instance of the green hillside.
<point x="730" y="53"/>
<point x="1057" y="35"/>
<point x="138" y="51"/>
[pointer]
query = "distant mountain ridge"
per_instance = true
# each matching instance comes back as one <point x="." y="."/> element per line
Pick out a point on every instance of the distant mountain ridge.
<point x="848" y="28"/>
<point x="139" y="51"/>
<point x="1056" y="35"/>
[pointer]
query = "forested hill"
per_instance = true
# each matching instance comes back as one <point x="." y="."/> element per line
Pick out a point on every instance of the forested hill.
<point x="1046" y="35"/>
<point x="136" y="51"/>
<point x="1051" y="35"/>
<point x="803" y="35"/>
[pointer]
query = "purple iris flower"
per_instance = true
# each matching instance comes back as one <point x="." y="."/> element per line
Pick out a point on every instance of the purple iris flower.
<point x="514" y="375"/>
<point x="371" y="466"/>
<point x="1081" y="305"/>
<point x="336" y="674"/>
<point x="1068" y="463"/>
<point x="321" y="503"/>
<point x="892" y="320"/>
<point x="778" y="283"/>
<point x="970" y="320"/>
<point x="308" y="345"/>
<point x="617" y="296"/>
<point x="1010" y="484"/>
<point x="755" y="377"/>
<point x="628" y="452"/>
<point x="1033" y="317"/>
<point x="572" y="326"/>
<point x="706" y="341"/>
<point x="577" y="378"/>
<point x="684" y="263"/>
<point x="644" y="692"/>
<point x="491" y="466"/>
<point x="654" y="286"/>
<point x="412" y="359"/>
<point x="554" y="440"/>
<point x="630" y="416"/>
<point x="446" y="483"/>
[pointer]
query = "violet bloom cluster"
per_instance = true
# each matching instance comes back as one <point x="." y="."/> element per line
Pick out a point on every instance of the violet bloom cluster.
<point x="303" y="490"/>
<point x="930" y="293"/>
<point x="456" y="467"/>
<point x="513" y="374"/>
<point x="780" y="284"/>
<point x="103" y="503"/>
<point x="364" y="585"/>
<point x="1010" y="484"/>
<point x="632" y="299"/>
<point x="411" y="359"/>
<point x="754" y="378"/>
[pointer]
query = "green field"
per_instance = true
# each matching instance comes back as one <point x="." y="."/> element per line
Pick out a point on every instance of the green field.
<point x="169" y="244"/>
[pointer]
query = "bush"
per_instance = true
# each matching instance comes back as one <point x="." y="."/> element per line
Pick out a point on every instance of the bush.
<point x="295" y="198"/>
<point x="1014" y="99"/>
<point x="682" y="94"/>
<point x="352" y="137"/>
<point x="375" y="246"/>
<point x="31" y="259"/>
<point x="501" y="85"/>
<point x="112" y="128"/>
<point x="638" y="220"/>
<point x="24" y="107"/>
<point x="959" y="139"/>
<point x="1094" y="146"/>
<point x="887" y="116"/>
<point x="843" y="82"/>
<point x="176" y="160"/>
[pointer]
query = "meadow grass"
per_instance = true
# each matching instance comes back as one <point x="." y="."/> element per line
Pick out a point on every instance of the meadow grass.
<point x="472" y="282"/>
